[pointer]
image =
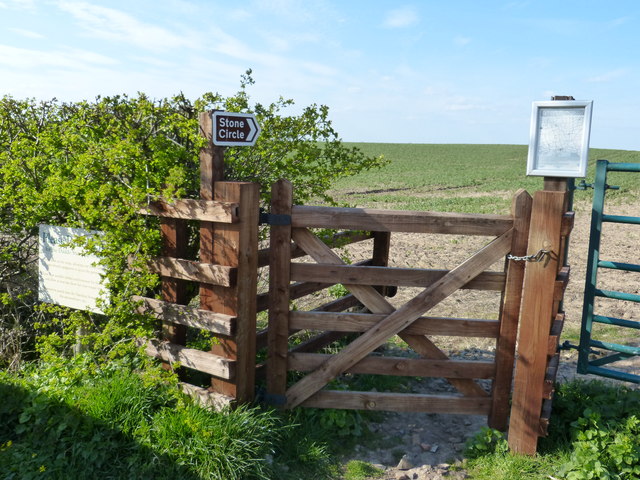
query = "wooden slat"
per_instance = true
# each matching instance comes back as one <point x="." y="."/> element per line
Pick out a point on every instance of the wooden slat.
<point x="406" y="402"/>
<point x="194" y="271"/>
<point x="554" y="337"/>
<point x="561" y="283"/>
<point x="399" y="319"/>
<point x="193" y="209"/>
<point x="361" y="322"/>
<point x="187" y="316"/>
<point x="510" y="313"/>
<point x="535" y="325"/>
<point x="190" y="358"/>
<point x="402" y="277"/>
<point x="279" y="290"/>
<point x="419" y="367"/>
<point x="246" y="291"/>
<point x="399" y="221"/>
<point x="568" y="220"/>
<point x="207" y="399"/>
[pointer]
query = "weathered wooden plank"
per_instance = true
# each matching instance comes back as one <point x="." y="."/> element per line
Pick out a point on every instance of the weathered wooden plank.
<point x="206" y="398"/>
<point x="537" y="313"/>
<point x="194" y="271"/>
<point x="419" y="367"/>
<point x="399" y="319"/>
<point x="193" y="209"/>
<point x="402" y="277"/>
<point x="568" y="221"/>
<point x="554" y="337"/>
<point x="405" y="402"/>
<point x="187" y="316"/>
<point x="246" y="291"/>
<point x="399" y="221"/>
<point x="195" y="359"/>
<point x="279" y="290"/>
<point x="361" y="322"/>
<point x="561" y="283"/>
<point x="510" y="313"/>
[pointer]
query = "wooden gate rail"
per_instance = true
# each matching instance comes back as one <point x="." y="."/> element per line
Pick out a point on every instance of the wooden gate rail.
<point x="384" y="321"/>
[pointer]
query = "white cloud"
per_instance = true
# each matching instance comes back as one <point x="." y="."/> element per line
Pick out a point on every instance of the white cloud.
<point x="111" y="24"/>
<point x="22" y="58"/>
<point x="27" y="33"/>
<point x="608" y="76"/>
<point x="401" y="18"/>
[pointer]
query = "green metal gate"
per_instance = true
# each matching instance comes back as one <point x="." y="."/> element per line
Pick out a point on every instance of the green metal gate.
<point x="614" y="352"/>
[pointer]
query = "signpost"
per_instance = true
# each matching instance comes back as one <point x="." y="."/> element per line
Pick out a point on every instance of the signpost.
<point x="235" y="129"/>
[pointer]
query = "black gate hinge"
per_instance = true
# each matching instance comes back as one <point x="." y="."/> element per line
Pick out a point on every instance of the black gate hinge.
<point x="274" y="219"/>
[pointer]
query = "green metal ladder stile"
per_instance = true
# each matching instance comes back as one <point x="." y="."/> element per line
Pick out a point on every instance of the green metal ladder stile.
<point x="589" y="317"/>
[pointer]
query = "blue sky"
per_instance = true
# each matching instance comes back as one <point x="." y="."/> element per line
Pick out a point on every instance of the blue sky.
<point x="447" y="71"/>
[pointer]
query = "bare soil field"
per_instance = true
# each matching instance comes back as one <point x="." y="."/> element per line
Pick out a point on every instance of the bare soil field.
<point x="421" y="446"/>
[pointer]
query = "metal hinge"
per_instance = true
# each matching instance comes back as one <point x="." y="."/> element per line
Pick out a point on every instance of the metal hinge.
<point x="274" y="218"/>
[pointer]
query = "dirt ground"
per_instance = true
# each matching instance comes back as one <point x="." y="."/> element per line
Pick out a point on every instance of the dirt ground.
<point x="425" y="446"/>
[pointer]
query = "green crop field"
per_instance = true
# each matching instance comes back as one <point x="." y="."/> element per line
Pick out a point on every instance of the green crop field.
<point x="459" y="178"/>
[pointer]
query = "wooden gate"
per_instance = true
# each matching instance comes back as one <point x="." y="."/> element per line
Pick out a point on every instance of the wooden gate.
<point x="382" y="321"/>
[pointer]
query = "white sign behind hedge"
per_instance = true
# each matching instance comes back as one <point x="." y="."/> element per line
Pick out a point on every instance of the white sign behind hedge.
<point x="68" y="276"/>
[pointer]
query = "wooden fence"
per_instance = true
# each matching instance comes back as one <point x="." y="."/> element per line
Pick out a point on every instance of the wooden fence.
<point x="227" y="274"/>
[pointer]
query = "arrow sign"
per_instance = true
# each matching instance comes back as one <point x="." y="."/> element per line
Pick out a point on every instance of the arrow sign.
<point x="235" y="129"/>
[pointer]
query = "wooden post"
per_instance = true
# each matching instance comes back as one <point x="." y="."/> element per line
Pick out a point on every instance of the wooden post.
<point x="536" y="319"/>
<point x="380" y="258"/>
<point x="233" y="245"/>
<point x="279" y="274"/>
<point x="510" y="313"/>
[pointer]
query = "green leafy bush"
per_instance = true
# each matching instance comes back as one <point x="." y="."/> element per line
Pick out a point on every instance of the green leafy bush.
<point x="93" y="164"/>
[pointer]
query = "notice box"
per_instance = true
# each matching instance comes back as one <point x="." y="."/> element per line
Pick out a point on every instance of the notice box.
<point x="67" y="275"/>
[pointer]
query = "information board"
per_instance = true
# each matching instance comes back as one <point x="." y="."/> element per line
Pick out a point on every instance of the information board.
<point x="67" y="275"/>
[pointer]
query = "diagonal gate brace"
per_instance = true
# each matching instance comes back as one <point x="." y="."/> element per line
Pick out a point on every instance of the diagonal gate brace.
<point x="397" y="320"/>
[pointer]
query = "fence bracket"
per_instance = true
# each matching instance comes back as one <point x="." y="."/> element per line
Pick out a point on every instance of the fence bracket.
<point x="274" y="219"/>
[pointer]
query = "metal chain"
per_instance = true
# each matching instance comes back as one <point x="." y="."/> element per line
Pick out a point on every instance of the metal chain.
<point x="537" y="257"/>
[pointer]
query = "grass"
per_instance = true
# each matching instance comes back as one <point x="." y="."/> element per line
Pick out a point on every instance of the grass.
<point x="60" y="421"/>
<point x="460" y="178"/>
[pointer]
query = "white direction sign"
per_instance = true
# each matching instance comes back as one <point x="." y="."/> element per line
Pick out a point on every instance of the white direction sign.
<point x="235" y="129"/>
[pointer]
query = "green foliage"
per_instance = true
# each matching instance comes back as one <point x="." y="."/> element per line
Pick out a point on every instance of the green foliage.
<point x="359" y="470"/>
<point x="338" y="290"/>
<point x="487" y="441"/>
<point x="93" y="164"/>
<point x="604" y="430"/>
<point x="63" y="423"/>
<point x="594" y="434"/>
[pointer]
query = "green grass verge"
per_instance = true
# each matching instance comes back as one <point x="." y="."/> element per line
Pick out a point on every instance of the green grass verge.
<point x="74" y="419"/>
